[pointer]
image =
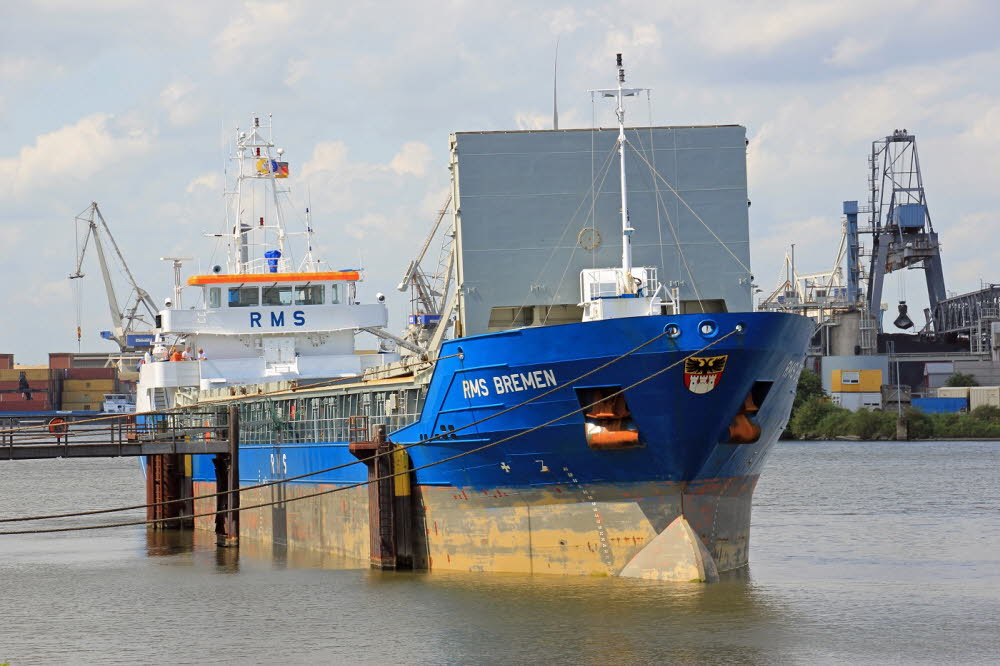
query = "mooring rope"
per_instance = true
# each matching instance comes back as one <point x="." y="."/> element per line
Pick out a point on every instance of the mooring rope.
<point x="407" y="471"/>
<point x="353" y="462"/>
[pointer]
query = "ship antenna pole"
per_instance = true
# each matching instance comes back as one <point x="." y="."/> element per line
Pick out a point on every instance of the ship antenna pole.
<point x="626" y="227"/>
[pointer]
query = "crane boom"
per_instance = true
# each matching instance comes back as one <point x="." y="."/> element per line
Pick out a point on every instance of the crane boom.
<point x="123" y="321"/>
<point x="141" y="294"/>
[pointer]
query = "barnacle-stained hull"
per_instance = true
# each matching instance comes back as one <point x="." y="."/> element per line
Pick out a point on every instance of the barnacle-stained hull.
<point x="527" y="490"/>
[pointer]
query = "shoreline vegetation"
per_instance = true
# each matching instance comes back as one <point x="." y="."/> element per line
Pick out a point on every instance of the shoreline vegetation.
<point x="815" y="417"/>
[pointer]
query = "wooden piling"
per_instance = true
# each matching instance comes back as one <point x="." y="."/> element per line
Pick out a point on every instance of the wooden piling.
<point x="227" y="477"/>
<point x="389" y="502"/>
<point x="165" y="483"/>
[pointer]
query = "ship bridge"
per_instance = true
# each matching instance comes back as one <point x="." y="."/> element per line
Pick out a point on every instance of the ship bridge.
<point x="270" y="325"/>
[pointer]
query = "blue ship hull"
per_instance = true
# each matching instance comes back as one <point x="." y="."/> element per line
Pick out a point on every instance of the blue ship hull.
<point x="549" y="499"/>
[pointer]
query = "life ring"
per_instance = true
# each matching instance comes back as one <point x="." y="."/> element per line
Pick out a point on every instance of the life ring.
<point x="58" y="426"/>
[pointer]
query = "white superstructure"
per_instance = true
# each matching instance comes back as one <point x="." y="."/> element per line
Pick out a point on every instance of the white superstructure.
<point x="260" y="318"/>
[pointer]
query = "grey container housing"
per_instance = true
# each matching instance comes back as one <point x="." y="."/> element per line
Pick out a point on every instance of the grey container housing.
<point x="534" y="208"/>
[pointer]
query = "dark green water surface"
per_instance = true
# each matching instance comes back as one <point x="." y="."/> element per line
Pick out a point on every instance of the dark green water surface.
<point x="861" y="553"/>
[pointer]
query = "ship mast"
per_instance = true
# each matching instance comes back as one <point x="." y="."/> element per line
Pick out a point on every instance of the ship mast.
<point x="626" y="291"/>
<point x="619" y="94"/>
<point x="255" y="161"/>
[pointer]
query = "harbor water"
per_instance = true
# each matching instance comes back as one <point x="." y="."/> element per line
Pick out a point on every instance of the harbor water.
<point x="864" y="552"/>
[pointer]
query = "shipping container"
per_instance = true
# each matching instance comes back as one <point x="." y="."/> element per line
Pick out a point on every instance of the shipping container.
<point x="33" y="374"/>
<point x="6" y="386"/>
<point x="953" y="392"/>
<point x="90" y="373"/>
<point x="984" y="395"/>
<point x="39" y="396"/>
<point x="25" y="406"/>
<point x="83" y="396"/>
<point x="940" y="405"/>
<point x="17" y="395"/>
<point x="87" y="406"/>
<point x="97" y="385"/>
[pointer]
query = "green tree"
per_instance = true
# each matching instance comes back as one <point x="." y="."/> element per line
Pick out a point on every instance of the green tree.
<point x="807" y="421"/>
<point x="873" y="424"/>
<point x="961" y="379"/>
<point x="810" y="386"/>
<point x="987" y="413"/>
<point x="919" y="425"/>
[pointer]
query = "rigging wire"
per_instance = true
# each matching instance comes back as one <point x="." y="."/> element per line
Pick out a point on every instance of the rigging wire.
<point x="401" y="447"/>
<point x="407" y="471"/>
<point x="677" y="241"/>
<point x="656" y="185"/>
<point x="697" y="217"/>
<point x="569" y="262"/>
<point x="562" y="236"/>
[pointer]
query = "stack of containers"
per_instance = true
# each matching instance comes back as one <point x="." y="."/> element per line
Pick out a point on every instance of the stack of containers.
<point x="83" y="389"/>
<point x="13" y="400"/>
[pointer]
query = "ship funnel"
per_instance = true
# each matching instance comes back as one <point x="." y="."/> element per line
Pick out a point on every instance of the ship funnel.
<point x="903" y="321"/>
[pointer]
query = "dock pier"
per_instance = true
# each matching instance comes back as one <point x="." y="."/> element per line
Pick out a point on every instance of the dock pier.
<point x="165" y="439"/>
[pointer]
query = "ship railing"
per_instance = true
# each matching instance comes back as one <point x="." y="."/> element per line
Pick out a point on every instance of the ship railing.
<point x="309" y="430"/>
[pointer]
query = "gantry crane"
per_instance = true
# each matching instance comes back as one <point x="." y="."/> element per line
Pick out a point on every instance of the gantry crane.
<point x="902" y="232"/>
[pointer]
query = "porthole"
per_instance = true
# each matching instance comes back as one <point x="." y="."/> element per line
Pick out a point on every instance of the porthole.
<point x="708" y="328"/>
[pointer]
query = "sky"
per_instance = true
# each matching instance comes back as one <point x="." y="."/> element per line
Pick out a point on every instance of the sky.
<point x="131" y="104"/>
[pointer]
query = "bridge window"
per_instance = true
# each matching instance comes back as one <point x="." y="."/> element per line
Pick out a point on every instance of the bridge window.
<point x="242" y="297"/>
<point x="334" y="289"/>
<point x="311" y="295"/>
<point x="214" y="297"/>
<point x="277" y="296"/>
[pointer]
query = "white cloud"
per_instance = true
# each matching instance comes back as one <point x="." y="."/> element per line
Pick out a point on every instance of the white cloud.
<point x="73" y="153"/>
<point x="851" y="51"/>
<point x="814" y="82"/>
<point x="366" y="225"/>
<point x="180" y="101"/>
<point x="330" y="158"/>
<point x="297" y="69"/>
<point x="28" y="68"/>
<point x="251" y="36"/>
<point x="531" y="120"/>
<point x="636" y="36"/>
<point x="412" y="159"/>
<point x="209" y="181"/>
<point x="564" y="20"/>
<point x="534" y="120"/>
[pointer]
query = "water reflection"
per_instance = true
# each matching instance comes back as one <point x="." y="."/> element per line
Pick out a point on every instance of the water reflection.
<point x="227" y="560"/>
<point x="590" y="620"/>
<point x="866" y="571"/>
<point x="168" y="542"/>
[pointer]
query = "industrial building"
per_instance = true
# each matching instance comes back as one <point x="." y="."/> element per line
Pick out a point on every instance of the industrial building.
<point x="850" y="349"/>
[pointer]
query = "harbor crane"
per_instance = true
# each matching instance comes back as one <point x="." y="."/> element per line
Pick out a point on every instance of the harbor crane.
<point x="130" y="328"/>
<point x="431" y="311"/>
<point x="902" y="233"/>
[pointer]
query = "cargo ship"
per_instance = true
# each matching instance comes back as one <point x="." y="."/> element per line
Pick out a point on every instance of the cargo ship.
<point x="582" y="387"/>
